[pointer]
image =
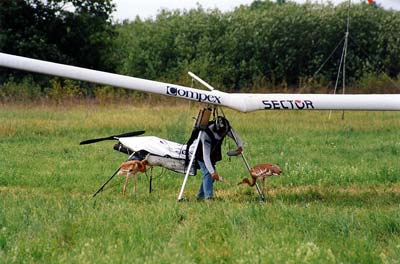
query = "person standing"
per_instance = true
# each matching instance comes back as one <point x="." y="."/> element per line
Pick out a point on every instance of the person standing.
<point x="209" y="153"/>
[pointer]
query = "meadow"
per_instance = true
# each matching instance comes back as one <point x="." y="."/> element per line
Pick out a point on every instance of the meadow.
<point x="337" y="201"/>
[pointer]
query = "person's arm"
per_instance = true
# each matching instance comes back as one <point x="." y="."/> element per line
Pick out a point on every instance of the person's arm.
<point x="206" y="143"/>
<point x="232" y="134"/>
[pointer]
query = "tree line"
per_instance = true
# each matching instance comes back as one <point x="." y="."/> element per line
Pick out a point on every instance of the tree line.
<point x="262" y="45"/>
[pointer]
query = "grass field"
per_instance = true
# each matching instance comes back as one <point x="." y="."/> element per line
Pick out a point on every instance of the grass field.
<point x="337" y="201"/>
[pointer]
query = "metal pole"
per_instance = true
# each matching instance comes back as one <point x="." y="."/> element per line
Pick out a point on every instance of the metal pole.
<point x="151" y="179"/>
<point x="189" y="167"/>
<point x="262" y="197"/>
<point x="109" y="179"/>
<point x="345" y="52"/>
<point x="104" y="184"/>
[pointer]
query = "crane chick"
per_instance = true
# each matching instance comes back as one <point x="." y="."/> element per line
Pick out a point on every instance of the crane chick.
<point x="260" y="172"/>
<point x="132" y="168"/>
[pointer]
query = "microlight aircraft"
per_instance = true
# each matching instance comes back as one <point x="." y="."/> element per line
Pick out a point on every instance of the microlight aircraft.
<point x="243" y="102"/>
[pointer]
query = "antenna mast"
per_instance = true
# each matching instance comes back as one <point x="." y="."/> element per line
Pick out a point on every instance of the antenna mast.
<point x="343" y="58"/>
<point x="346" y="43"/>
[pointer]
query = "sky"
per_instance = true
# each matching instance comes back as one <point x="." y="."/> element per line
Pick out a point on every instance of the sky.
<point x="129" y="9"/>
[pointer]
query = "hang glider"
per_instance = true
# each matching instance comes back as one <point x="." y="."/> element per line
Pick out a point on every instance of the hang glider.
<point x="243" y="102"/>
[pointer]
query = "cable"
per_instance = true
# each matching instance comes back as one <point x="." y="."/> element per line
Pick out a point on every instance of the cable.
<point x="330" y="56"/>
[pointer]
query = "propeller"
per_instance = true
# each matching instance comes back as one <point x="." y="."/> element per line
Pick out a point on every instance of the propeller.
<point x="130" y="134"/>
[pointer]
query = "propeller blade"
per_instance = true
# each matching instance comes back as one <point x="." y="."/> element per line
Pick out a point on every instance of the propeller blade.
<point x="130" y="134"/>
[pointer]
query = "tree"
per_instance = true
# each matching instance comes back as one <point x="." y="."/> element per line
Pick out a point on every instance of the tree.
<point x="48" y="30"/>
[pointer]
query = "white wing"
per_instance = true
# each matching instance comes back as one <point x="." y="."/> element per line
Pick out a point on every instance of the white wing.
<point x="238" y="101"/>
<point x="157" y="146"/>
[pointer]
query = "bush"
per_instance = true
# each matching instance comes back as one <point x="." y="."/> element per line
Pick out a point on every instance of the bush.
<point x="377" y="83"/>
<point x="25" y="90"/>
<point x="260" y="44"/>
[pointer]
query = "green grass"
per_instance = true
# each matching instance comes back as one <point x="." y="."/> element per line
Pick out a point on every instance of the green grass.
<point x="337" y="201"/>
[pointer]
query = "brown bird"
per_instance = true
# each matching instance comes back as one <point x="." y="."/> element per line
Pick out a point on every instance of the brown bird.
<point x="261" y="171"/>
<point x="132" y="168"/>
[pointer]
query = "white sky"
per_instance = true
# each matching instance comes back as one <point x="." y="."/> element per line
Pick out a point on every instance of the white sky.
<point x="128" y="9"/>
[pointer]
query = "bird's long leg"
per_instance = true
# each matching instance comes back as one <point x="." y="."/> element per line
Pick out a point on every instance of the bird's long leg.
<point x="126" y="182"/>
<point x="263" y="184"/>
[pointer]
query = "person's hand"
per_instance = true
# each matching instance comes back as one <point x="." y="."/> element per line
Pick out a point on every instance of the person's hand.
<point x="216" y="177"/>
<point x="235" y="152"/>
